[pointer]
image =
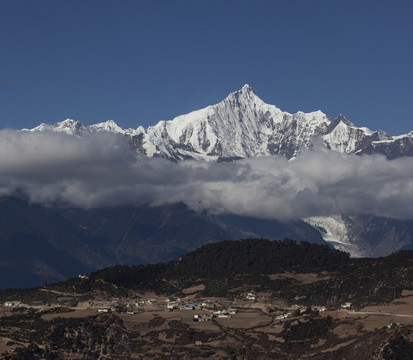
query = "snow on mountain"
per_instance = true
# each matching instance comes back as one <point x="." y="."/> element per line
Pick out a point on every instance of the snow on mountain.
<point x="336" y="231"/>
<point x="393" y="147"/>
<point x="73" y="127"/>
<point x="345" y="137"/>
<point x="68" y="126"/>
<point x="241" y="126"/>
<point x="111" y="127"/>
<point x="364" y="235"/>
<point x="108" y="126"/>
<point x="244" y="126"/>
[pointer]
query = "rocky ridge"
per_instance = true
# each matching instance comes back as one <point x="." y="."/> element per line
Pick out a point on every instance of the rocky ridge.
<point x="244" y="126"/>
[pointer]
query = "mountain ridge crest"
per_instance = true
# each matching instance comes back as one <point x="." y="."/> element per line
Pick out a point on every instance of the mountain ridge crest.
<point x="244" y="126"/>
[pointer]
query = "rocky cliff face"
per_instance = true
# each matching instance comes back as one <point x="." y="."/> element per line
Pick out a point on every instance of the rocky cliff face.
<point x="241" y="126"/>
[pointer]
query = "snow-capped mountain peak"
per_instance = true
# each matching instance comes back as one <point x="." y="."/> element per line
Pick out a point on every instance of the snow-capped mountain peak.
<point x="243" y="126"/>
<point x="108" y="126"/>
<point x="246" y="87"/>
<point x="240" y="126"/>
<point x="76" y="128"/>
<point x="68" y="126"/>
<point x="246" y="91"/>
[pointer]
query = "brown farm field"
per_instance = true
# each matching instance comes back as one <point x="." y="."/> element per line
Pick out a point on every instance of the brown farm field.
<point x="266" y="327"/>
<point x="155" y="332"/>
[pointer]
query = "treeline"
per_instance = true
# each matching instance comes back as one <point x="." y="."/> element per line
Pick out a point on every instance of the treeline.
<point x="257" y="256"/>
<point x="362" y="282"/>
<point x="225" y="260"/>
<point x="228" y="265"/>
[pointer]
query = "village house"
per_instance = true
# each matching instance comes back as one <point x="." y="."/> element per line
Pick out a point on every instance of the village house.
<point x="226" y="315"/>
<point x="172" y="305"/>
<point x="115" y="308"/>
<point x="206" y="303"/>
<point x="203" y="317"/>
<point x="219" y="313"/>
<point x="283" y="316"/>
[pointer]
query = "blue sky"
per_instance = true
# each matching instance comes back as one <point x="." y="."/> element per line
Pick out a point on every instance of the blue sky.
<point x="138" y="62"/>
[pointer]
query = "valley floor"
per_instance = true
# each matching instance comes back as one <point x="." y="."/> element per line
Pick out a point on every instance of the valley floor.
<point x="252" y="327"/>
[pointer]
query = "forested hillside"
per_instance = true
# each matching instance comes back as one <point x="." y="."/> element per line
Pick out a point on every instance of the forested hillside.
<point x="228" y="268"/>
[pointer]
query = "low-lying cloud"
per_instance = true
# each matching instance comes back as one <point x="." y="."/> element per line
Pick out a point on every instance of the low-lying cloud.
<point x="101" y="170"/>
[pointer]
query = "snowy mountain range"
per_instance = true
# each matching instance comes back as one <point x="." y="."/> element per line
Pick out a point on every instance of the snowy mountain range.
<point x="243" y="126"/>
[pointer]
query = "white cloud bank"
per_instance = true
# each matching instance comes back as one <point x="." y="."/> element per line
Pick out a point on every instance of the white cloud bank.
<point x="100" y="170"/>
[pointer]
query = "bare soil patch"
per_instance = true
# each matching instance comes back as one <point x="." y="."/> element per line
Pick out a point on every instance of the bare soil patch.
<point x="3" y="346"/>
<point x="271" y="329"/>
<point x="78" y="313"/>
<point x="338" y="346"/>
<point x="400" y="306"/>
<point x="204" y="326"/>
<point x="345" y="330"/>
<point x="193" y="289"/>
<point x="302" y="278"/>
<point x="245" y="320"/>
<point x="151" y="295"/>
